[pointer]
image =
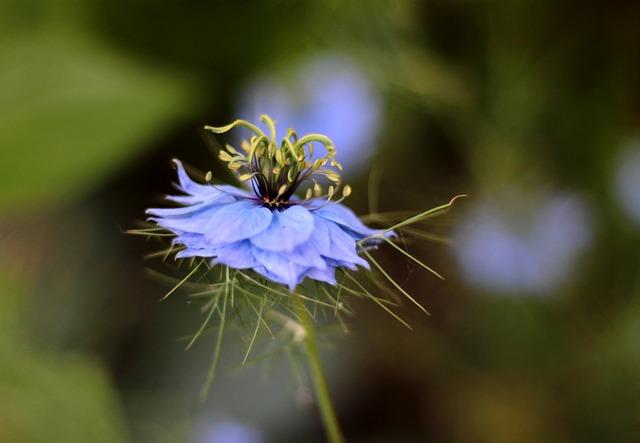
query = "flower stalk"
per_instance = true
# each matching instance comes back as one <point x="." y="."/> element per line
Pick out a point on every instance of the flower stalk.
<point x="327" y="412"/>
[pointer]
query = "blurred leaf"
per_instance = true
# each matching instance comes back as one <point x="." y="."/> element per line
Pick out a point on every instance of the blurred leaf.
<point x="71" y="109"/>
<point x="9" y="311"/>
<point x="54" y="400"/>
<point x="45" y="398"/>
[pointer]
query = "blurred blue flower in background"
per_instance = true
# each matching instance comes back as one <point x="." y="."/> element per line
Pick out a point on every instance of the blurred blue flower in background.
<point x="228" y="431"/>
<point x="517" y="249"/>
<point x="627" y="181"/>
<point x="328" y="94"/>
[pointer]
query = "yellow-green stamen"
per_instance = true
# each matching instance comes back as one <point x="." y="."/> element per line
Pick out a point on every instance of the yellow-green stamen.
<point x="276" y="170"/>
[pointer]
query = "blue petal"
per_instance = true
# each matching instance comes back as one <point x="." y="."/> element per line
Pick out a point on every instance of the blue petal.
<point x="191" y="240"/>
<point x="343" y="246"/>
<point x="217" y="200"/>
<point x="305" y="255"/>
<point x="237" y="255"/>
<point x="194" y="223"/>
<point x="200" y="192"/>
<point x="196" y="246"/>
<point x="187" y="185"/>
<point x="327" y="275"/>
<point x="320" y="239"/>
<point x="288" y="229"/>
<point x="218" y="193"/>
<point x="233" y="191"/>
<point x="347" y="264"/>
<point x="282" y="269"/>
<point x="188" y="253"/>
<point x="345" y="217"/>
<point x="270" y="276"/>
<point x="237" y="221"/>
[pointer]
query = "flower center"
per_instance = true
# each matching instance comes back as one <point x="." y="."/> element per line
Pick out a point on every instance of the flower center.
<point x="277" y="170"/>
<point x="275" y="204"/>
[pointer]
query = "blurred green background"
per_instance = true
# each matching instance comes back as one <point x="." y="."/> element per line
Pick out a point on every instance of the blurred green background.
<point x="530" y="107"/>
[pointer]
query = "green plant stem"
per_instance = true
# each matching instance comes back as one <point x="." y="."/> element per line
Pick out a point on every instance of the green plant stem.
<point x="216" y="354"/>
<point x="329" y="419"/>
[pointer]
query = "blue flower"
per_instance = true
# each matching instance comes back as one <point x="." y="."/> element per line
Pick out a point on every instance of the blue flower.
<point x="327" y="93"/>
<point x="284" y="241"/>
<point x="525" y="248"/>
<point x="627" y="180"/>
<point x="228" y="431"/>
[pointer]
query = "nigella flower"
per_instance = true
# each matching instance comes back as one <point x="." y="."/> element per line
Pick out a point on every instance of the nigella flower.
<point x="284" y="227"/>
<point x="268" y="228"/>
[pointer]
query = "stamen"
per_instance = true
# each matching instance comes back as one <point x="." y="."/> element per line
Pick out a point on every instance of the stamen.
<point x="276" y="170"/>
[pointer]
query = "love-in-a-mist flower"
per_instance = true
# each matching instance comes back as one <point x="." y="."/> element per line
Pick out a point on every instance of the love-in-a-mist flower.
<point x="267" y="228"/>
<point x="286" y="225"/>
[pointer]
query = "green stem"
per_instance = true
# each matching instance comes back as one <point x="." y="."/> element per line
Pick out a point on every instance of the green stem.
<point x="334" y="434"/>
<point x="216" y="354"/>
